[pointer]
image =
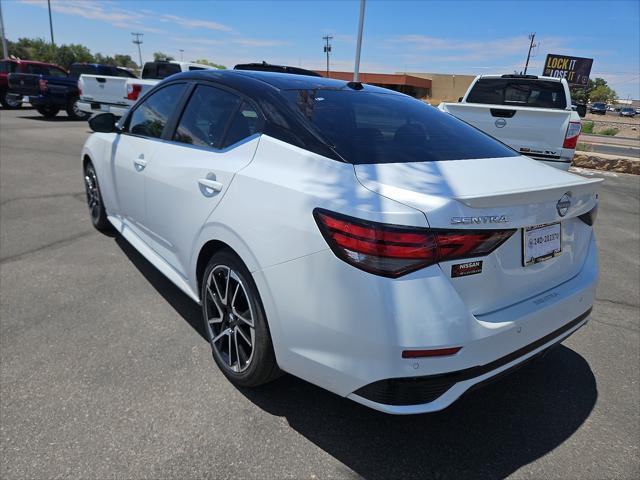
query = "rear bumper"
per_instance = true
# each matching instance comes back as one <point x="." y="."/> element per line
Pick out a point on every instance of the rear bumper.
<point x="97" y="107"/>
<point x="345" y="330"/>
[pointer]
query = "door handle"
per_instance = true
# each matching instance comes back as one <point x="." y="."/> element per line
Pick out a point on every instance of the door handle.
<point x="139" y="163"/>
<point x="211" y="184"/>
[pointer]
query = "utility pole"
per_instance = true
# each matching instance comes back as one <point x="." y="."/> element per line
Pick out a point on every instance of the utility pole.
<point x="181" y="56"/>
<point x="356" y="70"/>
<point x="5" y="50"/>
<point x="532" y="36"/>
<point x="138" y="41"/>
<point x="327" y="49"/>
<point x="50" y="22"/>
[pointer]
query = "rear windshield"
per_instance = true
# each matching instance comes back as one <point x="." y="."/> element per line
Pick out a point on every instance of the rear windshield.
<point x="365" y="127"/>
<point x="160" y="70"/>
<point x="599" y="105"/>
<point x="518" y="92"/>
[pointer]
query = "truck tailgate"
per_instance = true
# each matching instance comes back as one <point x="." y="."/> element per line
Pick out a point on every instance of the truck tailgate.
<point x="103" y="89"/>
<point x="538" y="132"/>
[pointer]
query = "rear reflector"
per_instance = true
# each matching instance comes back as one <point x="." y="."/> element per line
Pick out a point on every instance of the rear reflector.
<point x="573" y="133"/>
<point x="393" y="251"/>
<point x="438" y="352"/>
<point x="133" y="90"/>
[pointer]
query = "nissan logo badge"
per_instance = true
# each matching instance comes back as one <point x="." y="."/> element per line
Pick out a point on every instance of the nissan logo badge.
<point x="501" y="122"/>
<point x="563" y="204"/>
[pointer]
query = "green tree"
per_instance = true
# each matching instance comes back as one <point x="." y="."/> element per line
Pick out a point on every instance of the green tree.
<point x="159" y="56"/>
<point x="204" y="61"/>
<point x="124" y="61"/>
<point x="65" y="55"/>
<point x="597" y="91"/>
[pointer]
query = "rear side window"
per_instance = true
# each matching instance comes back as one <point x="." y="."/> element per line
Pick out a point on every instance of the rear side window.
<point x="77" y="70"/>
<point x="7" y="67"/>
<point x="56" y="72"/>
<point x="150" y="117"/>
<point x="366" y="127"/>
<point x="206" y="117"/>
<point x="516" y="92"/>
<point x="159" y="70"/>
<point x="121" y="72"/>
<point x="37" y="69"/>
<point x="245" y="123"/>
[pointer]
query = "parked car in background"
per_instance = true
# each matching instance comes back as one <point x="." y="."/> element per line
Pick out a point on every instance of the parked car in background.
<point x="637" y="111"/>
<point x="531" y="114"/>
<point x="49" y="88"/>
<point x="350" y="235"/>
<point x="627" y="112"/>
<point x="11" y="65"/>
<point x="78" y="69"/>
<point x="598" y="108"/>
<point x="115" y="93"/>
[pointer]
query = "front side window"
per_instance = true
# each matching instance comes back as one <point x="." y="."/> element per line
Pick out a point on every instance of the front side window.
<point x="7" y="67"/>
<point x="518" y="92"/>
<point x="150" y="117"/>
<point x="206" y="117"/>
<point x="56" y="72"/>
<point x="366" y="127"/>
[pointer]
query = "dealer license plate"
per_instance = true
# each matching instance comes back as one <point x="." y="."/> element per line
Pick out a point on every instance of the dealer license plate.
<point x="541" y="242"/>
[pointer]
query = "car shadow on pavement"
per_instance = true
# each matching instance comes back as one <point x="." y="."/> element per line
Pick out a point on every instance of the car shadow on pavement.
<point x="61" y="117"/>
<point x="489" y="433"/>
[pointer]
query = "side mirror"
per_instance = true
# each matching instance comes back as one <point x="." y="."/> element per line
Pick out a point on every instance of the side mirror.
<point x="105" y="123"/>
<point x="582" y="110"/>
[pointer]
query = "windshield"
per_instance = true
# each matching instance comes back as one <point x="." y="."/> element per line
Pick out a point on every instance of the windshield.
<point x="366" y="127"/>
<point x="518" y="92"/>
<point x="599" y="105"/>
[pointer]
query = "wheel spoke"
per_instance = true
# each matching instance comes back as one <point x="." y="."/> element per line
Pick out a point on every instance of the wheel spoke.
<point x="226" y="331"/>
<point x="235" y="341"/>
<point x="215" y="300"/>
<point x="229" y="356"/>
<point x="244" y="337"/>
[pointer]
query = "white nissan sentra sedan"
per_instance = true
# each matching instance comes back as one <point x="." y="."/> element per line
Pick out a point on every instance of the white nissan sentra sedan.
<point x="349" y="235"/>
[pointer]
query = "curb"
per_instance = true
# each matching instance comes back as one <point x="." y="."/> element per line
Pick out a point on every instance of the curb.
<point x="612" y="163"/>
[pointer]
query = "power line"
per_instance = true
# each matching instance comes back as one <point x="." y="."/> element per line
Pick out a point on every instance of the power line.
<point x="138" y="42"/>
<point x="327" y="49"/>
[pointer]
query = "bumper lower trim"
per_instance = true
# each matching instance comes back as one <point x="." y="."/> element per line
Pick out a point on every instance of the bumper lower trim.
<point x="426" y="389"/>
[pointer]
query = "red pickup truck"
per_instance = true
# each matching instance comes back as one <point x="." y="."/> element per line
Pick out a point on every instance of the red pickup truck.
<point x="9" y="65"/>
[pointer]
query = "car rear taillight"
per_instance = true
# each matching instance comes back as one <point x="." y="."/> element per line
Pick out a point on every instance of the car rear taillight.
<point x="393" y="251"/>
<point x="590" y="217"/>
<point x="42" y="84"/>
<point x="133" y="90"/>
<point x="571" y="138"/>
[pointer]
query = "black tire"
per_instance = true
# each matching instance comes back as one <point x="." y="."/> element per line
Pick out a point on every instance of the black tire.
<point x="254" y="364"/>
<point x="7" y="102"/>
<point x="48" y="112"/>
<point x="73" y="111"/>
<point x="97" y="212"/>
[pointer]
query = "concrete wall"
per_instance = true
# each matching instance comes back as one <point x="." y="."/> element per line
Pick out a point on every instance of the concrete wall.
<point x="445" y="87"/>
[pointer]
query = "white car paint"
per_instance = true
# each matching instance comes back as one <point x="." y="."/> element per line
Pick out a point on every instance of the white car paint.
<point x="536" y="132"/>
<point x="332" y="324"/>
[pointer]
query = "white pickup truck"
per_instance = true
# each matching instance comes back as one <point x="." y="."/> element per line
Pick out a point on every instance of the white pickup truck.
<point x="100" y="93"/>
<point x="531" y="114"/>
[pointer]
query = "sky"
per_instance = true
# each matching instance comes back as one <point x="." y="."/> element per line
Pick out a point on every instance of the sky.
<point x="458" y="37"/>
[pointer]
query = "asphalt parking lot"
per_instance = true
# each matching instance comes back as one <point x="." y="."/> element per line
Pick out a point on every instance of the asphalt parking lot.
<point x="104" y="371"/>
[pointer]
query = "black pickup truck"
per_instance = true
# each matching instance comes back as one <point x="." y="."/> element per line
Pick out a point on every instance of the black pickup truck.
<point x="54" y="89"/>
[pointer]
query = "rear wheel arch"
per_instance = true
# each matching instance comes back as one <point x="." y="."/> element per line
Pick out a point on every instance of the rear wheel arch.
<point x="206" y="252"/>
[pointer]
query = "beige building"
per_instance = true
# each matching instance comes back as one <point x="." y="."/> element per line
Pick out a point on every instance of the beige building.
<point x="445" y="87"/>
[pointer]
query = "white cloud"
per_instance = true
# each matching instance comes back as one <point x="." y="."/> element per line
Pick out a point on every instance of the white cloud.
<point x="194" y="23"/>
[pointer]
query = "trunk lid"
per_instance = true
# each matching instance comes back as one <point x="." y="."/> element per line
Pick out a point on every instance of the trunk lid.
<point x="495" y="194"/>
<point x="531" y="131"/>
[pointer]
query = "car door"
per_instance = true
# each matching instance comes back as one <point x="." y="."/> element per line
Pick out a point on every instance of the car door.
<point x="216" y="136"/>
<point x="135" y="148"/>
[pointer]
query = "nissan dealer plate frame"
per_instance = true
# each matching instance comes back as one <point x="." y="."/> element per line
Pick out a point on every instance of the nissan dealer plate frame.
<point x="541" y="242"/>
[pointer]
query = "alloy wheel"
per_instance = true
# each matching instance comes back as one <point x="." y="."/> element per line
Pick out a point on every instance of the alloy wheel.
<point x="93" y="194"/>
<point x="229" y="318"/>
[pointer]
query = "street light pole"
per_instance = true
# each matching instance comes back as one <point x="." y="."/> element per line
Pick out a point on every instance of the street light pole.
<point x="356" y="70"/>
<point x="181" y="56"/>
<point x="327" y="50"/>
<point x="5" y="50"/>
<point x="50" y="22"/>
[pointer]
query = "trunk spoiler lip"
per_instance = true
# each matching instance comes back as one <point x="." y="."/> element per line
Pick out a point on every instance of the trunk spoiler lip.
<point x="536" y="194"/>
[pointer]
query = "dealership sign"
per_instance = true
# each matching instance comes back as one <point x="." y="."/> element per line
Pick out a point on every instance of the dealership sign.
<point x="575" y="69"/>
